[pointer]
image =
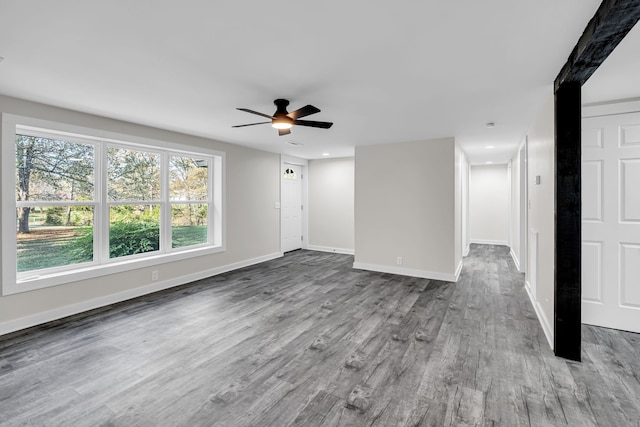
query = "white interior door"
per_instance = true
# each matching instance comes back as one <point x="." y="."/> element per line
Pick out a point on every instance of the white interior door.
<point x="611" y="221"/>
<point x="291" y="207"/>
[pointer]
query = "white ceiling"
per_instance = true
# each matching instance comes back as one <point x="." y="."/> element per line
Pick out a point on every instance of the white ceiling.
<point x="382" y="71"/>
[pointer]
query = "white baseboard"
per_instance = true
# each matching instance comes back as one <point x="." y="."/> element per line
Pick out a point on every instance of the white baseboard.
<point x="515" y="260"/>
<point x="490" y="242"/>
<point x="405" y="271"/>
<point x="544" y="322"/>
<point x="329" y="249"/>
<point x="59" y="313"/>
<point x="466" y="251"/>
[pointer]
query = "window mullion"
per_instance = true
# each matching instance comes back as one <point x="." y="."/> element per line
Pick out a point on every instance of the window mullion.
<point x="54" y="203"/>
<point x="211" y="205"/>
<point x="216" y="200"/>
<point x="165" y="205"/>
<point x="103" y="231"/>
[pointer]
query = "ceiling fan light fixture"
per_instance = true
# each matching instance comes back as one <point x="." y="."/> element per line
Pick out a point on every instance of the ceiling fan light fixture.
<point x="281" y="125"/>
<point x="283" y="120"/>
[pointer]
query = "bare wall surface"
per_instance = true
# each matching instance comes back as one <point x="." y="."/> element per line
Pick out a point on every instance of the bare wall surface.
<point x="331" y="204"/>
<point x="489" y="204"/>
<point x="252" y="223"/>
<point x="405" y="205"/>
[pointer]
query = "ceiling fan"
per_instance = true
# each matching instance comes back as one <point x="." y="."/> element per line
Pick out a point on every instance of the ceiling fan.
<point x="282" y="120"/>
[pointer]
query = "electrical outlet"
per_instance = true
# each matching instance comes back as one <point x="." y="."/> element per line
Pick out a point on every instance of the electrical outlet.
<point x="399" y="260"/>
<point x="154" y="275"/>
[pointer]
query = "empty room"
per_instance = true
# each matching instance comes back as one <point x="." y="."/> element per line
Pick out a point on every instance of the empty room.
<point x="320" y="214"/>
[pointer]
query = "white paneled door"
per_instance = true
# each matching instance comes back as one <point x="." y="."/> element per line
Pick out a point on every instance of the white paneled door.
<point x="611" y="221"/>
<point x="291" y="209"/>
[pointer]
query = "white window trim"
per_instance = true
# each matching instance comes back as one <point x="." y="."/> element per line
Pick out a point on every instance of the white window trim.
<point x="10" y="283"/>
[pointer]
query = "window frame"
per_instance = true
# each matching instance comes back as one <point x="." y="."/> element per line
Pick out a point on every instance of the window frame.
<point x="14" y="282"/>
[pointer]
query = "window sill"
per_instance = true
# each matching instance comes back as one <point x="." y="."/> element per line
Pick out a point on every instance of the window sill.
<point x="35" y="282"/>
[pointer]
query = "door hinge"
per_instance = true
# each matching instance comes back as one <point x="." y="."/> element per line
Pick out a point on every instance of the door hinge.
<point x="301" y="238"/>
<point x="301" y="207"/>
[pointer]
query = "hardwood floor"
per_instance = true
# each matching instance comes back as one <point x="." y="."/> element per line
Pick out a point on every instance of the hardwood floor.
<point x="307" y="340"/>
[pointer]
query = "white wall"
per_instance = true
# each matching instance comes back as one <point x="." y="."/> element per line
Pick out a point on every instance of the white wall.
<point x="489" y="204"/>
<point x="461" y="194"/>
<point x="542" y="213"/>
<point x="252" y="226"/>
<point x="405" y="207"/>
<point x="331" y="205"/>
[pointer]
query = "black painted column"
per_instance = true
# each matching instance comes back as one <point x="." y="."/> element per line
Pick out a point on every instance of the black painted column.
<point x="568" y="235"/>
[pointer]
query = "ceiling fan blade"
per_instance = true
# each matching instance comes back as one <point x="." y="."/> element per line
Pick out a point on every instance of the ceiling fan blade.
<point x="303" y="112"/>
<point x="282" y="132"/>
<point x="250" y="124"/>
<point x="246" y="110"/>
<point x="323" y="125"/>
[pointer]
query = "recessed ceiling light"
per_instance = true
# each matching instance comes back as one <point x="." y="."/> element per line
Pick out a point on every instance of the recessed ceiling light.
<point x="491" y="124"/>
<point x="325" y="154"/>
<point x="490" y="146"/>
<point x="489" y="163"/>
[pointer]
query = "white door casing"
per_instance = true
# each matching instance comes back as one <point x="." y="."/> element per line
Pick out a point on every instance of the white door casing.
<point x="523" y="208"/>
<point x="465" y="204"/>
<point x="291" y="207"/>
<point x="611" y="221"/>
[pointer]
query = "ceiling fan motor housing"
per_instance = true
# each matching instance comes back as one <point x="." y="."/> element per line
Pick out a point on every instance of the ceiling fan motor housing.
<point x="280" y="117"/>
<point x="281" y="120"/>
<point x="282" y="106"/>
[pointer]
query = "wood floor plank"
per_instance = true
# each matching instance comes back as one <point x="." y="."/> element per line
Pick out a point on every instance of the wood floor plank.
<point x="306" y="340"/>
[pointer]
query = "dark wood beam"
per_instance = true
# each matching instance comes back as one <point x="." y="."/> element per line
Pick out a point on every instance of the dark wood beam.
<point x="611" y="23"/>
<point x="568" y="236"/>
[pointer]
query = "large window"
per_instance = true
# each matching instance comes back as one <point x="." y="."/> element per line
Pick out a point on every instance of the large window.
<point x="88" y="204"/>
